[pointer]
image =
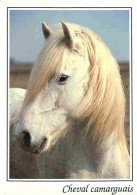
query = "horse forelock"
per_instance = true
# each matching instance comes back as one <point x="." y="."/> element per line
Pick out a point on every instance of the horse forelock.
<point x="47" y="63"/>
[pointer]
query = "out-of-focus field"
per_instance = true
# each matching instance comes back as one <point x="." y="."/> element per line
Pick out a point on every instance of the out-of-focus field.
<point x="124" y="70"/>
<point x="19" y="75"/>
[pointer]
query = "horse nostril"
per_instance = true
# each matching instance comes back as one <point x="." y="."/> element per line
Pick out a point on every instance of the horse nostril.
<point x="26" y="138"/>
<point x="25" y="141"/>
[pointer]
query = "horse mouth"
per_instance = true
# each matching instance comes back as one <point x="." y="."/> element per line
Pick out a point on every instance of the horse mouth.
<point x="39" y="149"/>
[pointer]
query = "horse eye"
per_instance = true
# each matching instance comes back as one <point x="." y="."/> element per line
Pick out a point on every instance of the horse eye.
<point x="62" y="79"/>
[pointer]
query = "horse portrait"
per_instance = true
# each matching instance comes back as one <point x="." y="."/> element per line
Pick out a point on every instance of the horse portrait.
<point x="69" y="122"/>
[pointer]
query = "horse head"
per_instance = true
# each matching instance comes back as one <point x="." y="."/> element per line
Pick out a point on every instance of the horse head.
<point x="58" y="83"/>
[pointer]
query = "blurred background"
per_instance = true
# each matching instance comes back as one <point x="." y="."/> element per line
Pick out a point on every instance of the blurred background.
<point x="26" y="40"/>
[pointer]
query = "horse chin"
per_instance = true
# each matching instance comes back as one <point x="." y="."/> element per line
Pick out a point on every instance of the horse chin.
<point x="41" y="147"/>
<point x="52" y="140"/>
<point x="44" y="147"/>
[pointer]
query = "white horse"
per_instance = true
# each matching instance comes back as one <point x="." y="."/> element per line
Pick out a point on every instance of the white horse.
<point x="72" y="114"/>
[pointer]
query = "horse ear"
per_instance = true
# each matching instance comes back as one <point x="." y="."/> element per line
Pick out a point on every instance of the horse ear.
<point x="46" y="30"/>
<point x="69" y="37"/>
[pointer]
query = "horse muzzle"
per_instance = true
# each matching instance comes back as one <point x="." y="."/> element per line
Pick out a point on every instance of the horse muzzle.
<point x="26" y="143"/>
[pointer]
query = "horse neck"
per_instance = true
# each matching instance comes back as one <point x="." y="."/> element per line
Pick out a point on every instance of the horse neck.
<point x="110" y="155"/>
<point x="110" y="152"/>
<point x="76" y="151"/>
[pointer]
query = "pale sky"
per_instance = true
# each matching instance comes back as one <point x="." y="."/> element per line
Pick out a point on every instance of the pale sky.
<point x="26" y="38"/>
